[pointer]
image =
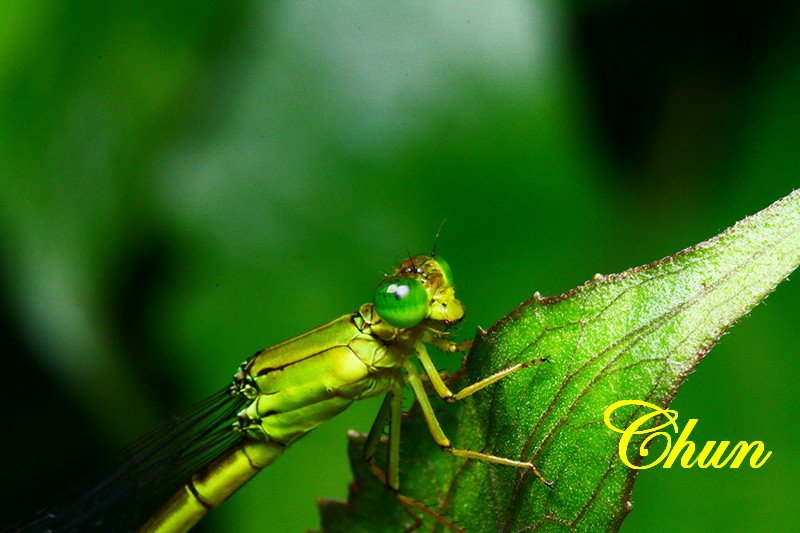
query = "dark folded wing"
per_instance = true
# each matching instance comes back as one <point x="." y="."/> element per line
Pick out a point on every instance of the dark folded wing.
<point x="121" y="496"/>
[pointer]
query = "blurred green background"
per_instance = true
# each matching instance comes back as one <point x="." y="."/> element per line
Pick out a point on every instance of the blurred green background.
<point x="183" y="184"/>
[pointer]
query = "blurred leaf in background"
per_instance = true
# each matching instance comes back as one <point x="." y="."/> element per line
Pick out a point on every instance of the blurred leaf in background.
<point x="185" y="184"/>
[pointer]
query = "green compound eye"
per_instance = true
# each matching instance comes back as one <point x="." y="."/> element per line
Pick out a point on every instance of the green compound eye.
<point x="446" y="272"/>
<point x="402" y="302"/>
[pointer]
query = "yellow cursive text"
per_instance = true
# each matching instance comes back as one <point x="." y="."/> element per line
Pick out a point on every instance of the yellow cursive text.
<point x="711" y="455"/>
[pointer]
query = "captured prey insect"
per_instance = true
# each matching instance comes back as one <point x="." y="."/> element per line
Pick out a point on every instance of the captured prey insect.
<point x="280" y="394"/>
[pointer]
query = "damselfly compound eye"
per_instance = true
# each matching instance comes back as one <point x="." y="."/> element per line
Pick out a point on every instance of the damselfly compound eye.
<point x="402" y="302"/>
<point x="447" y="274"/>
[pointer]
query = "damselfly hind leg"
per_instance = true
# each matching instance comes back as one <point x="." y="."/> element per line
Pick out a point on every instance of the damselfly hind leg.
<point x="391" y="411"/>
<point x="445" y="393"/>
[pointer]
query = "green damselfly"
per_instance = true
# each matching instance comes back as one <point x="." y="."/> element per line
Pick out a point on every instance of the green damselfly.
<point x="168" y="480"/>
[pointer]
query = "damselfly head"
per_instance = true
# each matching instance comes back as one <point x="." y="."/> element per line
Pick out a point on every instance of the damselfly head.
<point x="421" y="288"/>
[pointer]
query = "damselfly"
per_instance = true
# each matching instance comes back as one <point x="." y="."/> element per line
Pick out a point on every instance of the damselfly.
<point x="168" y="480"/>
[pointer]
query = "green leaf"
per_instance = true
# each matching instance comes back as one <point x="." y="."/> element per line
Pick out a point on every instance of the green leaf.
<point x="634" y="335"/>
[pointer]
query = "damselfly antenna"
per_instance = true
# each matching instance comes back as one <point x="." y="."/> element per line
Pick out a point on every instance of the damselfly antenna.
<point x="411" y="260"/>
<point x="436" y="237"/>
